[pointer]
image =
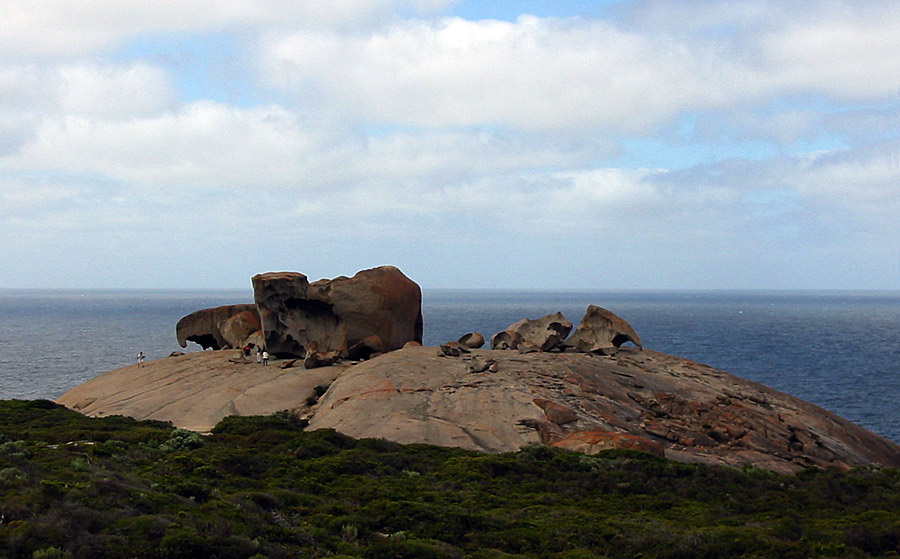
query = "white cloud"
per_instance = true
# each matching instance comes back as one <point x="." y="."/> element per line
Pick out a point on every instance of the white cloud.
<point x="61" y="28"/>
<point x="214" y="146"/>
<point x="528" y="74"/>
<point x="863" y="182"/>
<point x="110" y="92"/>
<point x="489" y="142"/>
<point x="846" y="54"/>
<point x="545" y="74"/>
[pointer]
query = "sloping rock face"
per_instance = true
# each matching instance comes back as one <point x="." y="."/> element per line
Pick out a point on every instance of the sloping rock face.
<point x="343" y="315"/>
<point x="222" y="327"/>
<point x="636" y="399"/>
<point x="196" y="390"/>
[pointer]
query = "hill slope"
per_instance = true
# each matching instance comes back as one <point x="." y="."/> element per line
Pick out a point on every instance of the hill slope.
<point x="642" y="400"/>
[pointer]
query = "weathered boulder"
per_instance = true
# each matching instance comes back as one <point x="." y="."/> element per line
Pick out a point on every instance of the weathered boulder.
<point x="505" y="340"/>
<point x="472" y="340"/>
<point x="370" y="346"/>
<point x="338" y="314"/>
<point x="222" y="327"/>
<point x="601" y="331"/>
<point x="545" y="333"/>
<point x="239" y="329"/>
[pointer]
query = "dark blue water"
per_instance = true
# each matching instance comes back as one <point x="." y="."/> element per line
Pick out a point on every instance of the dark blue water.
<point x="839" y="350"/>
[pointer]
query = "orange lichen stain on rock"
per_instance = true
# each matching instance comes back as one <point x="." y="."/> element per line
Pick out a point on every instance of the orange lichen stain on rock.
<point x="592" y="442"/>
<point x="382" y="387"/>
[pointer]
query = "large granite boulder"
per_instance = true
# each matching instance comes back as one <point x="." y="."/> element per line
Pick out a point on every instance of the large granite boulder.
<point x="222" y="327"/>
<point x="376" y="310"/>
<point x="601" y="331"/>
<point x="542" y="334"/>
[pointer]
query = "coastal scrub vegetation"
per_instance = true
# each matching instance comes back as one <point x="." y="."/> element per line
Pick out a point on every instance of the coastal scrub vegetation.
<point x="73" y="487"/>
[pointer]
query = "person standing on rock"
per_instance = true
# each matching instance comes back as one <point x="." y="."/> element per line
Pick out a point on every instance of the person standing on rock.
<point x="259" y="354"/>
<point x="265" y="357"/>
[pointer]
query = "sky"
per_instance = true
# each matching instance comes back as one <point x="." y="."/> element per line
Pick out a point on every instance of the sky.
<point x="673" y="144"/>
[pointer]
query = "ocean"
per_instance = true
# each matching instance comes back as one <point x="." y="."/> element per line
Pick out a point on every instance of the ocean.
<point x="839" y="350"/>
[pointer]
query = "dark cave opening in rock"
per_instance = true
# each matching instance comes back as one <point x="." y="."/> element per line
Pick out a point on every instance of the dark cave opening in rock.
<point x="206" y="341"/>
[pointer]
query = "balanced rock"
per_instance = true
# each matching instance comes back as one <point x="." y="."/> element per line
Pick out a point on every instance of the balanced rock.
<point x="338" y="314"/>
<point x="545" y="333"/>
<point x="601" y="331"/>
<point x="222" y="327"/>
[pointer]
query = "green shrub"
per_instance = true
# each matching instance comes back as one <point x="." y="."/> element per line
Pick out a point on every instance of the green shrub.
<point x="265" y="487"/>
<point x="51" y="553"/>
<point x="14" y="450"/>
<point x="181" y="440"/>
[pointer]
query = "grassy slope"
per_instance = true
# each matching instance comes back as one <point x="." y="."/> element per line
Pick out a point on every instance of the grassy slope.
<point x="262" y="487"/>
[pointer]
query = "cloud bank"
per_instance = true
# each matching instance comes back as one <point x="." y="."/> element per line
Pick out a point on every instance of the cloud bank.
<point x="659" y="145"/>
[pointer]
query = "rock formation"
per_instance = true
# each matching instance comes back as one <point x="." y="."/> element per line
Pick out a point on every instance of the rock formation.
<point x="196" y="390"/>
<point x="542" y="334"/>
<point x="376" y="310"/>
<point x="472" y="340"/>
<point x="222" y="327"/>
<point x="641" y="400"/>
<point x="593" y="395"/>
<point x="497" y="401"/>
<point x="602" y="331"/>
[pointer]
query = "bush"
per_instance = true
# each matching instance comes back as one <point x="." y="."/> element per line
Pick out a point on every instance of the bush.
<point x="180" y="440"/>
<point x="51" y="553"/>
<point x="264" y="486"/>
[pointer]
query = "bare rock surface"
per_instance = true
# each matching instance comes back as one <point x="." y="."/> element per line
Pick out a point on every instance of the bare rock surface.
<point x="222" y="327"/>
<point x="497" y="401"/>
<point x="376" y="310"/>
<point x="636" y="399"/>
<point x="196" y="390"/>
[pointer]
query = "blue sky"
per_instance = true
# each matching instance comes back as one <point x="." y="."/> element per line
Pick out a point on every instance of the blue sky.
<point x="574" y="145"/>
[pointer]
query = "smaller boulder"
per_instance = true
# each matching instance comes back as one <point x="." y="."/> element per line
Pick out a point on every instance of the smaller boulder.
<point x="368" y="347"/>
<point x="472" y="340"/>
<point x="237" y="330"/>
<point x="480" y="365"/>
<point x="601" y="331"/>
<point x="453" y="349"/>
<point x="547" y="333"/>
<point x="505" y="340"/>
<point x="316" y="359"/>
<point x="555" y="412"/>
